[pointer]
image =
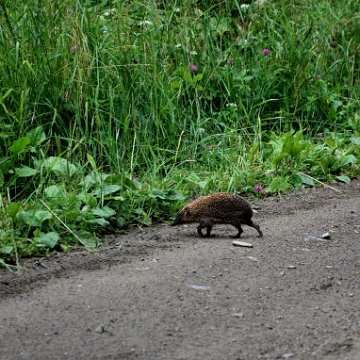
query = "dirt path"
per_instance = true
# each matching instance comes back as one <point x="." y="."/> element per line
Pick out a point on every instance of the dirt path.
<point x="164" y="293"/>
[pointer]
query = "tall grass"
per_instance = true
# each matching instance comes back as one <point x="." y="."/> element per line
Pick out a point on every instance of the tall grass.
<point x="184" y="97"/>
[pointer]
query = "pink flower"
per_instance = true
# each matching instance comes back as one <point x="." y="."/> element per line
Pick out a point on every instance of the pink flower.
<point x="193" y="68"/>
<point x="73" y="48"/>
<point x="135" y="179"/>
<point x="258" y="188"/>
<point x="193" y="198"/>
<point x="265" y="52"/>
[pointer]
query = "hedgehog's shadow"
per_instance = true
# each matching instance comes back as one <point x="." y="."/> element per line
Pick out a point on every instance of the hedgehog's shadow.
<point x="221" y="232"/>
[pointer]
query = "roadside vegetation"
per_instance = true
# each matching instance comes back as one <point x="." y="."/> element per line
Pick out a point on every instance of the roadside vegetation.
<point x="117" y="112"/>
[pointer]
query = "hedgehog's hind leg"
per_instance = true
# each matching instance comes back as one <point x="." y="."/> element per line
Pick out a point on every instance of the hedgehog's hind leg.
<point x="257" y="227"/>
<point x="208" y="229"/>
<point x="240" y="231"/>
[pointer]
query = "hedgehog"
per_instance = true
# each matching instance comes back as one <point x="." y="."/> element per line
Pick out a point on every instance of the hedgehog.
<point x="218" y="208"/>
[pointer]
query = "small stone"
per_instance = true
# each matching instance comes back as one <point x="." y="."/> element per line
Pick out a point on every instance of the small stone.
<point x="326" y="235"/>
<point x="351" y="295"/>
<point x="291" y="267"/>
<point x="252" y="258"/>
<point x="200" y="287"/>
<point x="100" y="329"/>
<point x="287" y="356"/>
<point x="314" y="238"/>
<point x="241" y="243"/>
<point x="238" y="315"/>
<point x="329" y="267"/>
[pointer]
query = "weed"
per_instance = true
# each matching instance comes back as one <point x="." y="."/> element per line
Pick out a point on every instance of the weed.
<point x="114" y="113"/>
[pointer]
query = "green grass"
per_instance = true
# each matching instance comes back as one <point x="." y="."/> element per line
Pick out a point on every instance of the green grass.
<point x="116" y="113"/>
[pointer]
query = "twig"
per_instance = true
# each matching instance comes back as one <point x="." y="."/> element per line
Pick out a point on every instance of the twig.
<point x="178" y="146"/>
<point x="330" y="187"/>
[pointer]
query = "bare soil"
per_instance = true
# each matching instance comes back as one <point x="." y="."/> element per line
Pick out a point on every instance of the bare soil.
<point x="164" y="293"/>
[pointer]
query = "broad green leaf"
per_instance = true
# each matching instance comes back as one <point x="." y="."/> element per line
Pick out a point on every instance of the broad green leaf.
<point x="105" y="212"/>
<point x="55" y="191"/>
<point x="101" y="222"/>
<point x="88" y="239"/>
<point x="87" y="199"/>
<point x="106" y="189"/>
<point x="13" y="208"/>
<point x="202" y="184"/>
<point x="19" y="145"/>
<point x="94" y="178"/>
<point x="175" y="84"/>
<point x="336" y="103"/>
<point x="348" y="159"/>
<point x="59" y="165"/>
<point x="247" y="78"/>
<point x="198" y="77"/>
<point x="355" y="140"/>
<point x="49" y="239"/>
<point x="160" y="194"/>
<point x="296" y="180"/>
<point x="187" y="77"/>
<point x="343" y="178"/>
<point x="43" y="215"/>
<point x="170" y="194"/>
<point x="34" y="217"/>
<point x="36" y="136"/>
<point x="7" y="250"/>
<point x="25" y="171"/>
<point x="71" y="216"/>
<point x="306" y="179"/>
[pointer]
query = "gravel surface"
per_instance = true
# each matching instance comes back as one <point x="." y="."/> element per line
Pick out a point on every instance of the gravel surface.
<point x="164" y="293"/>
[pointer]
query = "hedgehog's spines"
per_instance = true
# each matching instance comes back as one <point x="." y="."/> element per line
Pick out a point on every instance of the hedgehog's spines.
<point x="217" y="208"/>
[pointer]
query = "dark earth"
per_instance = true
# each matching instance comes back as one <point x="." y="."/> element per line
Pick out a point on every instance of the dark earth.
<point x="165" y="293"/>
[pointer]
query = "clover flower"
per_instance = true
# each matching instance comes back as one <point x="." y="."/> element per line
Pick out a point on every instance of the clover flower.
<point x="259" y="188"/>
<point x="193" y="198"/>
<point x="193" y="68"/>
<point x="265" y="52"/>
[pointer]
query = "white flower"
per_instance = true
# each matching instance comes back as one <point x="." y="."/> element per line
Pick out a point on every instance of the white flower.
<point x="145" y="22"/>
<point x="259" y="3"/>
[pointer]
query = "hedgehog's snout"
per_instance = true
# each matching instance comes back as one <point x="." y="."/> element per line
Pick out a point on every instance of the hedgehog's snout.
<point x="177" y="221"/>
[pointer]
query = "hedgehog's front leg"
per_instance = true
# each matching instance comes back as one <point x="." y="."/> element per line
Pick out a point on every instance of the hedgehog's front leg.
<point x="208" y="229"/>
